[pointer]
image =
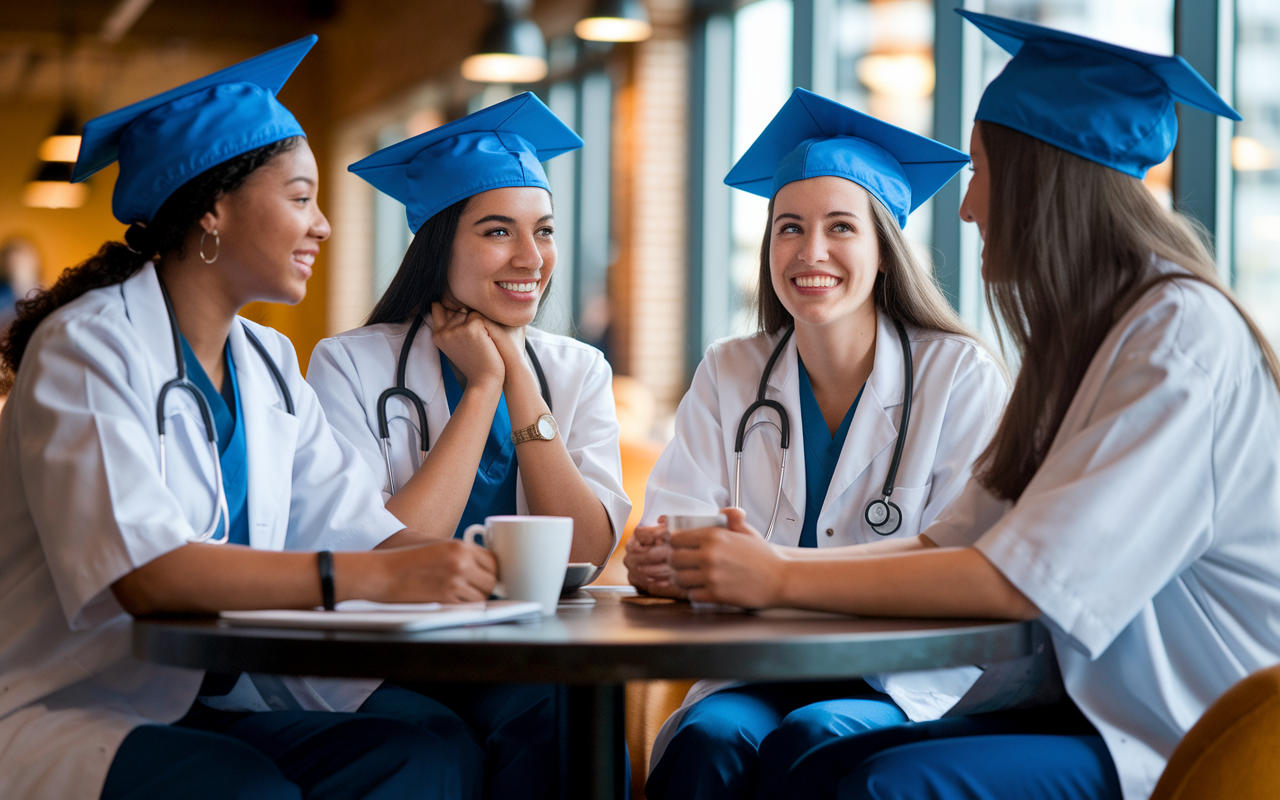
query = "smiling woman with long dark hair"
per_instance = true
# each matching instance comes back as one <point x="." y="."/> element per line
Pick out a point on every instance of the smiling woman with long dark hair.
<point x="461" y="405"/>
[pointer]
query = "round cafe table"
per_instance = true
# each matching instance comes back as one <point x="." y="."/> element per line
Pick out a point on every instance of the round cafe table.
<point x="593" y="650"/>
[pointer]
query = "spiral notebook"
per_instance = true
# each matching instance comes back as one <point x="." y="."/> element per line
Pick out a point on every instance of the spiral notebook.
<point x="364" y="615"/>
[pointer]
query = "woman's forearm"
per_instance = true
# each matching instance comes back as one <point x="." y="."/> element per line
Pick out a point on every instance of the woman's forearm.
<point x="925" y="582"/>
<point x="552" y="484"/>
<point x="205" y="578"/>
<point x="432" y="501"/>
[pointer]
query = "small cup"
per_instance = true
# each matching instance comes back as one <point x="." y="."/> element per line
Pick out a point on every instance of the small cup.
<point x="532" y="554"/>
<point x="688" y="522"/>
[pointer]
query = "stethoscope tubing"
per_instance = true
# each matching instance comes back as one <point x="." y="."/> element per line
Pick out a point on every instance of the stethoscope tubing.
<point x="183" y="383"/>
<point x="892" y="514"/>
<point x="401" y="389"/>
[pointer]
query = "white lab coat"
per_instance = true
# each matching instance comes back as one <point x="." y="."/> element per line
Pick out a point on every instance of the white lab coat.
<point x="351" y="370"/>
<point x="1150" y="536"/>
<point x="959" y="395"/>
<point x="82" y="504"/>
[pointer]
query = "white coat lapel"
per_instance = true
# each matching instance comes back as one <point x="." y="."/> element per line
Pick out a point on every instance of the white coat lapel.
<point x="422" y="375"/>
<point x="145" y="306"/>
<point x="784" y="386"/>
<point x="271" y="436"/>
<point x="875" y="423"/>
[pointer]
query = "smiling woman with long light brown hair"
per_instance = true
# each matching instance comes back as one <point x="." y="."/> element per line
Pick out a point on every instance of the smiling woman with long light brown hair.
<point x="886" y="399"/>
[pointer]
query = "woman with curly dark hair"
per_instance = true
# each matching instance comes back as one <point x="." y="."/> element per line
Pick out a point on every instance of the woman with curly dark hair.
<point x="125" y="490"/>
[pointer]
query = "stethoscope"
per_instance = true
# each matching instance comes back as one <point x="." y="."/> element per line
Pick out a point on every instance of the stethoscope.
<point x="883" y="515"/>
<point x="220" y="512"/>
<point x="384" y="432"/>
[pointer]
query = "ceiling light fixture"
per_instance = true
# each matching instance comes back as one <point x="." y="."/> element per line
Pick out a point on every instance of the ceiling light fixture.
<point x="513" y="49"/>
<point x="615" y="21"/>
<point x="51" y="186"/>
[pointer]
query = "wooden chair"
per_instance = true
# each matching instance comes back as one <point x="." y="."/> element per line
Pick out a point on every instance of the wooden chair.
<point x="1233" y="751"/>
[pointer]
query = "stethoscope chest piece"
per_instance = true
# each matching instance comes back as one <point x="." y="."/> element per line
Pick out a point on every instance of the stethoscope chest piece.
<point x="883" y="516"/>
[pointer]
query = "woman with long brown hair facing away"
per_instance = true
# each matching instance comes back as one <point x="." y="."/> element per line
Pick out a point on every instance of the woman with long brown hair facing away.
<point x="882" y="395"/>
<point x="161" y="455"/>
<point x="1130" y="497"/>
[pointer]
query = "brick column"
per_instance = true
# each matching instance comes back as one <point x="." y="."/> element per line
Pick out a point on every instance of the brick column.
<point x="650" y="188"/>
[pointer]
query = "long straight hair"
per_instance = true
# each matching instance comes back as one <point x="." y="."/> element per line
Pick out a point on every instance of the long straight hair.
<point x="1068" y="251"/>
<point x="424" y="271"/>
<point x="904" y="289"/>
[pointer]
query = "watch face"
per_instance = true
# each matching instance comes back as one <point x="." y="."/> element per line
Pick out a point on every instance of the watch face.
<point x="546" y="427"/>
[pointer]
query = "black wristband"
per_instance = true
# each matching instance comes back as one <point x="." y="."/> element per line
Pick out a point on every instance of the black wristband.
<point x="325" y="561"/>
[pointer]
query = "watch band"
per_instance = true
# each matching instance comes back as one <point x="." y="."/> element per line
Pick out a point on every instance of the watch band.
<point x="531" y="433"/>
<point x="324" y="559"/>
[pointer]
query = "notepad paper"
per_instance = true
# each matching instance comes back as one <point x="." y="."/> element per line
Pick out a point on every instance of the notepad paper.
<point x="365" y="615"/>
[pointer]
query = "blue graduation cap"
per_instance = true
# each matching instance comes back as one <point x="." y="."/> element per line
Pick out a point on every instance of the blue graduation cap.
<point x="812" y="136"/>
<point x="1103" y="102"/>
<point x="496" y="147"/>
<point x="167" y="140"/>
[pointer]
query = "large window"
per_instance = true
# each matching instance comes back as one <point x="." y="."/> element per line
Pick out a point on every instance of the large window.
<point x="1255" y="156"/>
<point x="915" y="64"/>
<point x="761" y="84"/>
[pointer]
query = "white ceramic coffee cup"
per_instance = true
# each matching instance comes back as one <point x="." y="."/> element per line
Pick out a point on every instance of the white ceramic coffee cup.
<point x="532" y="554"/>
<point x="688" y="522"/>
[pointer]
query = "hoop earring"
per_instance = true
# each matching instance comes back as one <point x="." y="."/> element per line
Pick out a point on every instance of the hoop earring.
<point x="216" y="243"/>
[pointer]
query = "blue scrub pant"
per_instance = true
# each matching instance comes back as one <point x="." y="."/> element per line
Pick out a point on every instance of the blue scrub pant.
<point x="515" y="724"/>
<point x="1047" y="753"/>
<point x="739" y="743"/>
<point x="267" y="755"/>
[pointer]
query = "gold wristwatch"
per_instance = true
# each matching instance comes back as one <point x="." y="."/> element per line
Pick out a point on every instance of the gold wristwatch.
<point x="543" y="430"/>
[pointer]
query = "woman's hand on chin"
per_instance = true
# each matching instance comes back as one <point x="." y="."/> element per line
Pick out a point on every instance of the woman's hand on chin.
<point x="648" y="563"/>
<point x="735" y="566"/>
<point x="462" y="335"/>
<point x="510" y="343"/>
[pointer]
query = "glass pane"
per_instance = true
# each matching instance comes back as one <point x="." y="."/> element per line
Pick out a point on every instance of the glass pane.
<point x="1140" y="24"/>
<point x="761" y="84"/>
<point x="1255" y="155"/>
<point x="884" y="67"/>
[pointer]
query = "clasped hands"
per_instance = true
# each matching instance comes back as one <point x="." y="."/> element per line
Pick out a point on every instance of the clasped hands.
<point x="486" y="352"/>
<point x="732" y="565"/>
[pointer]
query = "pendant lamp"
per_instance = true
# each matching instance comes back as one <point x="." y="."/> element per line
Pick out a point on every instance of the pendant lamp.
<point x="615" y="21"/>
<point x="51" y="186"/>
<point x="513" y="49"/>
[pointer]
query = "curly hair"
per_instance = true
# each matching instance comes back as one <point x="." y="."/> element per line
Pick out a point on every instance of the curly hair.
<point x="116" y="262"/>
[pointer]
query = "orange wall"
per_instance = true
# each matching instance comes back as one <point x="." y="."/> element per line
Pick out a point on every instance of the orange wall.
<point x="65" y="237"/>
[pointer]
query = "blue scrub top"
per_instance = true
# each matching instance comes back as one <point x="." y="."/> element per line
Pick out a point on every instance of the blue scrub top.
<point x="228" y="421"/>
<point x="494" y="490"/>
<point x="821" y="454"/>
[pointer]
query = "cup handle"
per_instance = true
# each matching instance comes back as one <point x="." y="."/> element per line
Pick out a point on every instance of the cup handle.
<point x="476" y="534"/>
